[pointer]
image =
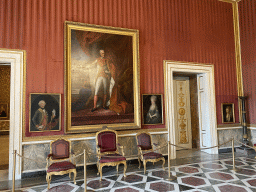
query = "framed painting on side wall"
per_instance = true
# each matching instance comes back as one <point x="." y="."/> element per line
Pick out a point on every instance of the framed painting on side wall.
<point x="102" y="78"/>
<point x="44" y="114"/>
<point x="228" y="112"/>
<point x="152" y="109"/>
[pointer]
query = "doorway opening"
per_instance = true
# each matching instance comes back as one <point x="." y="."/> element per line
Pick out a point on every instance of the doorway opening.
<point x="16" y="59"/>
<point x="186" y="110"/>
<point x="207" y="126"/>
<point x="5" y="71"/>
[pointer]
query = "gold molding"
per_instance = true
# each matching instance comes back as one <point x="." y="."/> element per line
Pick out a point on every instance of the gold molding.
<point x="229" y="125"/>
<point x="230" y="1"/>
<point x="239" y="74"/>
<point x="77" y="135"/>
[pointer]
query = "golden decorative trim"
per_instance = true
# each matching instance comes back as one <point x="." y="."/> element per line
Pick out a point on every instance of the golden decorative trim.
<point x="239" y="74"/>
<point x="238" y="55"/>
<point x="77" y="135"/>
<point x="181" y="111"/>
<point x="230" y="1"/>
<point x="49" y="175"/>
<point x="229" y="125"/>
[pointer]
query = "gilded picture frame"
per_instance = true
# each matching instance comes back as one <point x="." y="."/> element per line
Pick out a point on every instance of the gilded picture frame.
<point x="4" y="111"/>
<point x="44" y="112"/>
<point x="228" y="112"/>
<point x="101" y="78"/>
<point x="152" y="109"/>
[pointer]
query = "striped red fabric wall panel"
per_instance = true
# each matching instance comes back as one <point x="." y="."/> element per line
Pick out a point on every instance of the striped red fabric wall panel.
<point x="182" y="30"/>
<point x="247" y="16"/>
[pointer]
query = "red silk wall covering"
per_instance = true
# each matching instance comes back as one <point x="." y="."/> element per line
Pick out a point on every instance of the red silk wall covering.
<point x="183" y="30"/>
<point x="248" y="49"/>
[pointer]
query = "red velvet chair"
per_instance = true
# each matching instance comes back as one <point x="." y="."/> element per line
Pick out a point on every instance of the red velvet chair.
<point x="107" y="152"/>
<point x="145" y="150"/>
<point x="59" y="161"/>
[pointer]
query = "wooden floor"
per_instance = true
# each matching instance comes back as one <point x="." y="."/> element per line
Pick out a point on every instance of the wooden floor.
<point x="4" y="152"/>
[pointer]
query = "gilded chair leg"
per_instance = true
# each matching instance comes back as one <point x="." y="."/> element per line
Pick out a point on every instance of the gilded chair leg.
<point x="117" y="169"/>
<point x="74" y="177"/>
<point x="144" y="163"/>
<point x="139" y="163"/>
<point x="100" y="169"/>
<point x="69" y="175"/>
<point x="48" y="179"/>
<point x="125" y="167"/>
<point x="163" y="163"/>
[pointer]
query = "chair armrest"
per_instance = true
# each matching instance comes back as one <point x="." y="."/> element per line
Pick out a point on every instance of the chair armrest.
<point x="98" y="154"/>
<point x="47" y="160"/>
<point x="121" y="147"/>
<point x="72" y="158"/>
<point x="156" y="145"/>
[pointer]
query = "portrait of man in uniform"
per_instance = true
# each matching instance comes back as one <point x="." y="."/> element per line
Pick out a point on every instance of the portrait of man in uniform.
<point x="100" y="67"/>
<point x="44" y="112"/>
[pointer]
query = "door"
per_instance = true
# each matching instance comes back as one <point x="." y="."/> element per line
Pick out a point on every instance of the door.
<point x="182" y="113"/>
<point x="204" y="118"/>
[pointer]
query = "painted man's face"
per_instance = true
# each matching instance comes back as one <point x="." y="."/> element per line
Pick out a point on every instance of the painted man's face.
<point x="102" y="53"/>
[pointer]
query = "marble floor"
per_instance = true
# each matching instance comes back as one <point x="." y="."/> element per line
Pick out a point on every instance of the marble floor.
<point x="192" y="171"/>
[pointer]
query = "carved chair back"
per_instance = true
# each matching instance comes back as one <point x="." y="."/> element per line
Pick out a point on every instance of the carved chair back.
<point x="60" y="149"/>
<point x="144" y="141"/>
<point x="106" y="141"/>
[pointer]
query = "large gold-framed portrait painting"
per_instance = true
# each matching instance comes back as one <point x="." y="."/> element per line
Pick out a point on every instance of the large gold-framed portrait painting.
<point x="102" y="78"/>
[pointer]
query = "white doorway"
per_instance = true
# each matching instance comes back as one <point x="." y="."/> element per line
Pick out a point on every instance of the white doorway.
<point x="16" y="58"/>
<point x="206" y="103"/>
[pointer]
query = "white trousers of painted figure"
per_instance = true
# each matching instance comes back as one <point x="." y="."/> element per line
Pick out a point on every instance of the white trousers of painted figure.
<point x="99" y="81"/>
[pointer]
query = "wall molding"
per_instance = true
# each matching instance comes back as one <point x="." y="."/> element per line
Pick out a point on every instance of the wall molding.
<point x="152" y="132"/>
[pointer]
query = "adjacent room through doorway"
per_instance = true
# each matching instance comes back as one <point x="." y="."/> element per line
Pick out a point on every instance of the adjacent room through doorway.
<point x="5" y="70"/>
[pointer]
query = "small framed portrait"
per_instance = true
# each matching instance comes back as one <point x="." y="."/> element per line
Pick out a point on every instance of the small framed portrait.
<point x="152" y="109"/>
<point x="4" y="114"/>
<point x="44" y="114"/>
<point x="228" y="113"/>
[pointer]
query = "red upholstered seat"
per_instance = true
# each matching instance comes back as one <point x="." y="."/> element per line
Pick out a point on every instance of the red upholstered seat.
<point x="112" y="158"/>
<point x="61" y="166"/>
<point x="152" y="155"/>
